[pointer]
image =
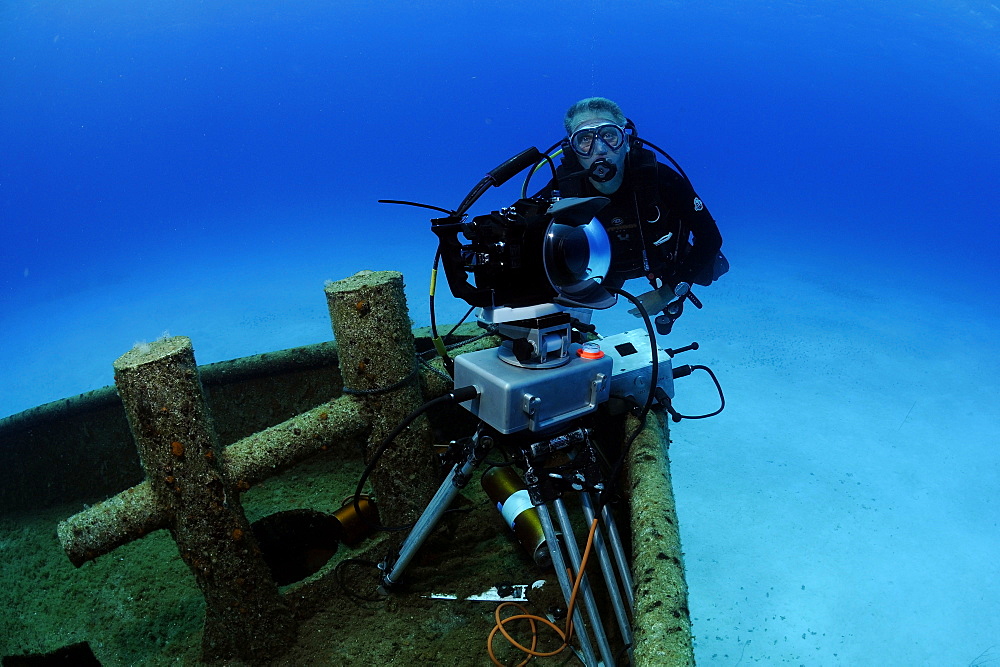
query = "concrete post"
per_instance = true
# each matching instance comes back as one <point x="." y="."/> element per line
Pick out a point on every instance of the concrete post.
<point x="245" y="616"/>
<point x="134" y="513"/>
<point x="374" y="338"/>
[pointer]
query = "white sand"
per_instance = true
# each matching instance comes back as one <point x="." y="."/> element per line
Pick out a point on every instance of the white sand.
<point x="843" y="508"/>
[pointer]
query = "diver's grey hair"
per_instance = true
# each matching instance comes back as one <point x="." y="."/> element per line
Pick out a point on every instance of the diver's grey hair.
<point x="600" y="105"/>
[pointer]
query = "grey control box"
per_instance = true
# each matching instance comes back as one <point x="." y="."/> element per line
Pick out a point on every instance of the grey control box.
<point x="513" y="399"/>
<point x="633" y="364"/>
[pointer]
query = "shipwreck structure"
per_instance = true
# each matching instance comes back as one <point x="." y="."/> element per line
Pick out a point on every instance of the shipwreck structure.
<point x="178" y="445"/>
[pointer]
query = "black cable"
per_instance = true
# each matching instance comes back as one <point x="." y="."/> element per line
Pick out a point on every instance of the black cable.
<point x="460" y="322"/>
<point x="552" y="167"/>
<point x="474" y="195"/>
<point x="655" y="374"/>
<point x="439" y="346"/>
<point x="653" y="380"/>
<point x="458" y="396"/>
<point x="339" y="575"/>
<point x="434" y="268"/>
<point x="382" y="390"/>
<point x="377" y="454"/>
<point x="722" y="397"/>
<point x="666" y="155"/>
<point x="417" y="204"/>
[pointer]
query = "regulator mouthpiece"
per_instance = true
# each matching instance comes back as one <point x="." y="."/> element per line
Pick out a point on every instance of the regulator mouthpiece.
<point x="602" y="171"/>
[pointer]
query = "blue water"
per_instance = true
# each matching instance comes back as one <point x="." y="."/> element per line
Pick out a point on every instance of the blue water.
<point x="202" y="168"/>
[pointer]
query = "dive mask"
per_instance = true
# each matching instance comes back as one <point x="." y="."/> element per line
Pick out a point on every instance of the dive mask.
<point x="585" y="139"/>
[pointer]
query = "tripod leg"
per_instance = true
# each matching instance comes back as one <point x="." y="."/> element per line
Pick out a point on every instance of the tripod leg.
<point x="607" y="568"/>
<point x="619" y="554"/>
<point x="559" y="563"/>
<point x="428" y="520"/>
<point x="588" y="594"/>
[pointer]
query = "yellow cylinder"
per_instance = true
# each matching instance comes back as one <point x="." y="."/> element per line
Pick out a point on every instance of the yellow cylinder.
<point x="507" y="490"/>
<point x="354" y="527"/>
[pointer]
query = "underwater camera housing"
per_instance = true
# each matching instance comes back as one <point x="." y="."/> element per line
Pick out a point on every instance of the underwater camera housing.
<point x="534" y="263"/>
<point x="535" y="271"/>
<point x="534" y="252"/>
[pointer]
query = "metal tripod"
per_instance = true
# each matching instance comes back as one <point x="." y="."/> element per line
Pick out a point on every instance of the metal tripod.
<point x="547" y="484"/>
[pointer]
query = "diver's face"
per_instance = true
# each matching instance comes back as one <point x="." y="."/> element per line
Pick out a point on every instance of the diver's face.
<point x="602" y="151"/>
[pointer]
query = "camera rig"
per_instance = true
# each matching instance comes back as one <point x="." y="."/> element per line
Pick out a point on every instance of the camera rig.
<point x="536" y="272"/>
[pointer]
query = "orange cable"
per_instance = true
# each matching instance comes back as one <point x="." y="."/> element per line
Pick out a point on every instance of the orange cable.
<point x="565" y="635"/>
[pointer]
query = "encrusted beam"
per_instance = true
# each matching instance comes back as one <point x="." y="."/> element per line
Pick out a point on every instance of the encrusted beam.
<point x="133" y="513"/>
<point x="662" y="625"/>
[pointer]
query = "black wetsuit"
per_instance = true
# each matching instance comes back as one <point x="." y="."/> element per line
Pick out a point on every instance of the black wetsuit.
<point x="658" y="226"/>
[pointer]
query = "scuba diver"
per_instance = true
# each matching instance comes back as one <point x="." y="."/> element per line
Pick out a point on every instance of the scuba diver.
<point x="658" y="226"/>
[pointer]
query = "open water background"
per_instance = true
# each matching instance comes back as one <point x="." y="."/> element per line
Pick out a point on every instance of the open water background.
<point x="201" y="168"/>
